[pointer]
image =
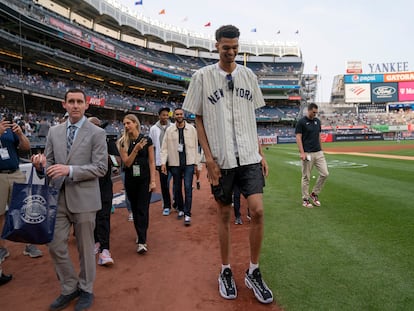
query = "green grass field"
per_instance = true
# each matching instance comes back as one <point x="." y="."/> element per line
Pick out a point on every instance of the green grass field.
<point x="355" y="252"/>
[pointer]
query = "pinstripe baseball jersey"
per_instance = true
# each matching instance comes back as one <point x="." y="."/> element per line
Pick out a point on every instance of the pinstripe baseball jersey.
<point x="228" y="115"/>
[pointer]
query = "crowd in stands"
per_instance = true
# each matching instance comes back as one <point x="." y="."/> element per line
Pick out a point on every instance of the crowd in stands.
<point x="172" y="63"/>
<point x="277" y="113"/>
<point x="274" y="130"/>
<point x="333" y="122"/>
<point x="364" y="121"/>
<point x="57" y="87"/>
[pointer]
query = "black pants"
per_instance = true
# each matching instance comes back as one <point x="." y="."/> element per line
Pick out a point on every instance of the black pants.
<point x="140" y="197"/>
<point x="103" y="224"/>
<point x="165" y="189"/>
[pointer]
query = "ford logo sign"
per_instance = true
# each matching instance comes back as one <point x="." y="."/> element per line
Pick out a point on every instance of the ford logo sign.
<point x="384" y="90"/>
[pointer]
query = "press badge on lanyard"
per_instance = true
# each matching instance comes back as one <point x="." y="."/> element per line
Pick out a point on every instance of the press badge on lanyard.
<point x="136" y="170"/>
<point x="4" y="153"/>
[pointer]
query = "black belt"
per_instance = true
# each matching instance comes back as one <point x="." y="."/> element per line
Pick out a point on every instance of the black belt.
<point x="7" y="171"/>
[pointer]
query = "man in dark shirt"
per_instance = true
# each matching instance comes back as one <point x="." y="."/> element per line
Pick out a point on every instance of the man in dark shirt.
<point x="103" y="216"/>
<point x="308" y="139"/>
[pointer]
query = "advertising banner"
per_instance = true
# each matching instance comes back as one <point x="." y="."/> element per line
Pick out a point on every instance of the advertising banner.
<point x="267" y="140"/>
<point x="104" y="52"/>
<point x="399" y="77"/>
<point x="65" y="27"/>
<point x="144" y="67"/>
<point x="286" y="139"/>
<point x="384" y="92"/>
<point x="405" y="91"/>
<point x="354" y="66"/>
<point x="358" y="137"/>
<point x="398" y="128"/>
<point x="367" y="78"/>
<point x="95" y="101"/>
<point x="357" y="93"/>
<point x="327" y="137"/>
<point x="127" y="60"/>
<point x="76" y="40"/>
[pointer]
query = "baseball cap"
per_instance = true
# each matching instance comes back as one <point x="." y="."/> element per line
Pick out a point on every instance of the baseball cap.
<point x="163" y="109"/>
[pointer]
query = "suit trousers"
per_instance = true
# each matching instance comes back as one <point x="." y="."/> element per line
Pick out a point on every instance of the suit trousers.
<point x="83" y="225"/>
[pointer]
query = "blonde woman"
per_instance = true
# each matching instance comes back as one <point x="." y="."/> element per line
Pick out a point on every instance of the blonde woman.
<point x="137" y="154"/>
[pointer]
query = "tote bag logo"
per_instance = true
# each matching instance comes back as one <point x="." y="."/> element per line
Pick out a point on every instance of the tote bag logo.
<point x="34" y="209"/>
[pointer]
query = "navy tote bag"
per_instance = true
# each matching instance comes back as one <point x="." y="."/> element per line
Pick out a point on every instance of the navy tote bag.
<point x="32" y="213"/>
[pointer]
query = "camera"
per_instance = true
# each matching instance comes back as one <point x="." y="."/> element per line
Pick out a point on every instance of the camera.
<point x="9" y="117"/>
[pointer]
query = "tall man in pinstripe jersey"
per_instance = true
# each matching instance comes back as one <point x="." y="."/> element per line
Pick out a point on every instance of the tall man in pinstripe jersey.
<point x="224" y="96"/>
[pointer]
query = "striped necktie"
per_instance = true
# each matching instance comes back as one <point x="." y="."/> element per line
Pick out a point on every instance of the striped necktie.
<point x="71" y="137"/>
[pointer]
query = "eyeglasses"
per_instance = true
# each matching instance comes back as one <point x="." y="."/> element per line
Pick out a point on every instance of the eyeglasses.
<point x="230" y="83"/>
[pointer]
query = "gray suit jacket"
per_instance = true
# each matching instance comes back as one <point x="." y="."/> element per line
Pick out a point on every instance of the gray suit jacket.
<point x="89" y="159"/>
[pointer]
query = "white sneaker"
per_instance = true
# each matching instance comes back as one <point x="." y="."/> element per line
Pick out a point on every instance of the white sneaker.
<point x="315" y="200"/>
<point x="306" y="203"/>
<point x="187" y="220"/>
<point x="142" y="248"/>
<point x="105" y="258"/>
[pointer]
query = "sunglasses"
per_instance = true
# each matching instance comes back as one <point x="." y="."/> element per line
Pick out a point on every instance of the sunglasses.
<point x="230" y="83"/>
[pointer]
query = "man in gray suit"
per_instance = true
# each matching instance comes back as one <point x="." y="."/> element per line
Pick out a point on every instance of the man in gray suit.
<point x="75" y="157"/>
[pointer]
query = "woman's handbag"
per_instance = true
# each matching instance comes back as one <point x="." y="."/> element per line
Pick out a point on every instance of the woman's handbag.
<point x="32" y="213"/>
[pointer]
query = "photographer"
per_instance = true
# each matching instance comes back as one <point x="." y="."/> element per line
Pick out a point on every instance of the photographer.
<point x="12" y="140"/>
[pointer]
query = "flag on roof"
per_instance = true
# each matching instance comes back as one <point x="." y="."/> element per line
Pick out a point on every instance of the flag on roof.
<point x="138" y="2"/>
<point x="162" y="11"/>
<point x="208" y="24"/>
<point x="297" y="32"/>
<point x="278" y="32"/>
<point x="254" y="30"/>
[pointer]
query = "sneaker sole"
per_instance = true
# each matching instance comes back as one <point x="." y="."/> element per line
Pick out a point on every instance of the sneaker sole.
<point x="106" y="264"/>
<point x="258" y="296"/>
<point x="31" y="255"/>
